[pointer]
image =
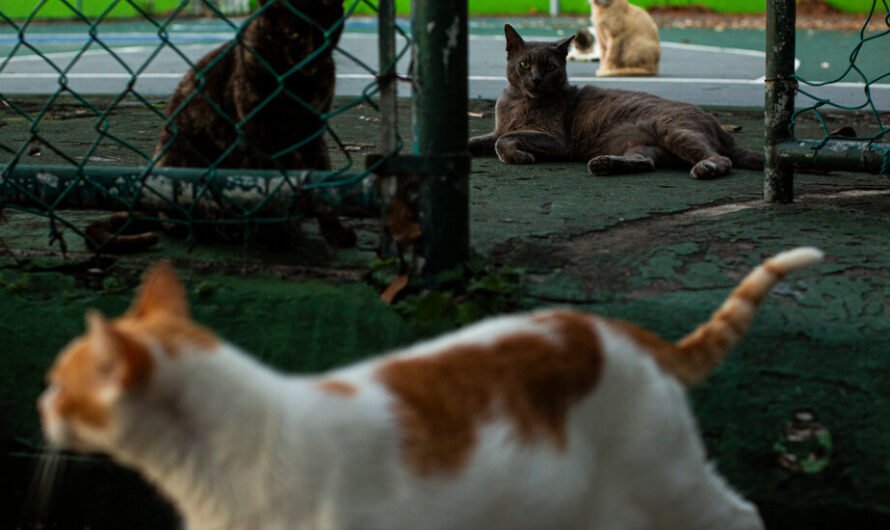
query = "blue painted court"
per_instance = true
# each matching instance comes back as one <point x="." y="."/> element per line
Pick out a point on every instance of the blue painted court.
<point x="702" y="66"/>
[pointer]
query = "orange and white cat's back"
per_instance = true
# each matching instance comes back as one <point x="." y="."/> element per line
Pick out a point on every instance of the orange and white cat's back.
<point x="554" y="419"/>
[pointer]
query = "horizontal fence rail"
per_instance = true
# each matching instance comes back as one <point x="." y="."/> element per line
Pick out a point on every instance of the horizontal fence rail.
<point x="838" y="149"/>
<point x="230" y="187"/>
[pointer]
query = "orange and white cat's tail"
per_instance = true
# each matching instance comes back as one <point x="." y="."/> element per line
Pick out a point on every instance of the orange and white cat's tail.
<point x="700" y="351"/>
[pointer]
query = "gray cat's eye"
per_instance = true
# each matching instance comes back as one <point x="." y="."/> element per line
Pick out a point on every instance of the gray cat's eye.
<point x="525" y="65"/>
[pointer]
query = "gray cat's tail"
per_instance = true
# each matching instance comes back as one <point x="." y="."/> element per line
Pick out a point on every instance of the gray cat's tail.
<point x="700" y="351"/>
<point x="746" y="159"/>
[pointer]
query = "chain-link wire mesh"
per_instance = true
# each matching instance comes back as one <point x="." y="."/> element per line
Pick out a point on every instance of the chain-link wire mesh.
<point x="873" y="37"/>
<point x="242" y="180"/>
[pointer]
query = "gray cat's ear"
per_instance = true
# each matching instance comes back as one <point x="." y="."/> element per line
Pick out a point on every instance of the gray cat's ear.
<point x="514" y="41"/>
<point x="563" y="45"/>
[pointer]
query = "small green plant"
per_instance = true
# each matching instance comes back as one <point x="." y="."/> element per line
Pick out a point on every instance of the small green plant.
<point x="805" y="446"/>
<point x="461" y="296"/>
<point x="17" y="284"/>
<point x="112" y="284"/>
<point x="204" y="289"/>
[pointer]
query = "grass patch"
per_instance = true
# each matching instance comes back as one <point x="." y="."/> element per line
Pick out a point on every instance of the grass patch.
<point x="57" y="9"/>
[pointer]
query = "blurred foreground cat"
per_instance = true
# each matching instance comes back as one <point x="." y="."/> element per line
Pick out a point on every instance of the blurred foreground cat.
<point x="627" y="38"/>
<point x="549" y="420"/>
<point x="540" y="116"/>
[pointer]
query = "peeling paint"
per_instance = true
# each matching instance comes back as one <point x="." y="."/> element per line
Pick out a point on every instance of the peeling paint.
<point x="48" y="179"/>
<point x="453" y="32"/>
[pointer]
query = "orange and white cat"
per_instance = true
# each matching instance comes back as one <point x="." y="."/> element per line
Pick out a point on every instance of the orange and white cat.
<point x="627" y="38"/>
<point x="550" y="420"/>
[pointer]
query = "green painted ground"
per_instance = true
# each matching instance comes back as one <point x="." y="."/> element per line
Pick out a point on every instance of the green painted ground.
<point x="660" y="249"/>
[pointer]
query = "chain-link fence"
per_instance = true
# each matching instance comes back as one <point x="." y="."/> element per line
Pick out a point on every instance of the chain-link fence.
<point x="791" y="99"/>
<point x="247" y="139"/>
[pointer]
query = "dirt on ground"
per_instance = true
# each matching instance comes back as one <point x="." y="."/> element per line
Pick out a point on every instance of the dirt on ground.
<point x="810" y="15"/>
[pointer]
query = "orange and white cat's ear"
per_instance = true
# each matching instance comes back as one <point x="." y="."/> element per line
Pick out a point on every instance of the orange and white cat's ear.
<point x="161" y="292"/>
<point x="514" y="41"/>
<point x="563" y="45"/>
<point x="120" y="360"/>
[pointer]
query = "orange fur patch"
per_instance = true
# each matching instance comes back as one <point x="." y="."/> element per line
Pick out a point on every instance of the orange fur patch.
<point x="338" y="388"/>
<point x="80" y="373"/>
<point x="664" y="352"/>
<point x="690" y="360"/>
<point x="160" y="313"/>
<point x="532" y="379"/>
<point x="160" y="292"/>
<point x="752" y="289"/>
<point x="76" y="377"/>
<point x="173" y="333"/>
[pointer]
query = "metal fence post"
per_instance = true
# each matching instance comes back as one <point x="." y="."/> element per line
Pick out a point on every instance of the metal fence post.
<point x="440" y="129"/>
<point x="778" y="176"/>
<point x="389" y="93"/>
<point x="554" y="8"/>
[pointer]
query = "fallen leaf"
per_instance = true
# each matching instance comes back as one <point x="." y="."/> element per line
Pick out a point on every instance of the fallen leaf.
<point x="402" y="224"/>
<point x="730" y="128"/>
<point x="845" y="131"/>
<point x="393" y="290"/>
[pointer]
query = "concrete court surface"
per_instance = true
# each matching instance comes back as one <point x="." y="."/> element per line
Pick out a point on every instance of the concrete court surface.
<point x="659" y="249"/>
<point x="700" y="66"/>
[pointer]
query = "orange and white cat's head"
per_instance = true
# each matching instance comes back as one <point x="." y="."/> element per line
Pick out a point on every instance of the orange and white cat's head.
<point x="99" y="375"/>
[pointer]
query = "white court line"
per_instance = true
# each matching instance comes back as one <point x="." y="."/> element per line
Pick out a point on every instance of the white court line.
<point x="491" y="78"/>
<point x="664" y="44"/>
<point x="89" y="53"/>
<point x="713" y="49"/>
<point x="679" y="80"/>
<point x="103" y="75"/>
<point x="363" y="36"/>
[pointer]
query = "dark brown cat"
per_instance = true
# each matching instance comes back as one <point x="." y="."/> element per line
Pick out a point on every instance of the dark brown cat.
<point x="237" y="82"/>
<point x="540" y="116"/>
<point x="273" y="84"/>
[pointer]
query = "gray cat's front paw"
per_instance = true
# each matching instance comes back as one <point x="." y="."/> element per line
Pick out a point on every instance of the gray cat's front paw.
<point x="482" y="145"/>
<point x="515" y="156"/>
<point x="600" y="166"/>
<point x="711" y="168"/>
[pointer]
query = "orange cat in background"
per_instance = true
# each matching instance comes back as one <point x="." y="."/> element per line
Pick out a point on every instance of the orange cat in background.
<point x="627" y="38"/>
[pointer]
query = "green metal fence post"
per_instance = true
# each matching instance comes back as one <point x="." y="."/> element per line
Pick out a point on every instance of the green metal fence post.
<point x="439" y="29"/>
<point x="388" y="141"/>
<point x="386" y="49"/>
<point x="778" y="176"/>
